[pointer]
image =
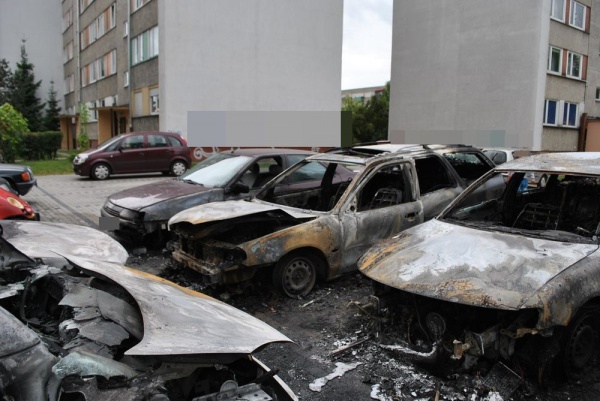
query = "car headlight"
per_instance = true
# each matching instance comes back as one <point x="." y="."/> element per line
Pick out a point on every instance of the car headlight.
<point x="130" y="214"/>
<point x="15" y="202"/>
<point x="80" y="158"/>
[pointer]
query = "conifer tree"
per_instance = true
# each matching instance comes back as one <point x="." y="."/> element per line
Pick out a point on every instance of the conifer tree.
<point x="5" y="82"/>
<point x="24" y="98"/>
<point x="50" y="121"/>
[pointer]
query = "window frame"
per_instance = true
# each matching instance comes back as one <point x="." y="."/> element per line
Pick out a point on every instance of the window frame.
<point x="152" y="95"/>
<point x="570" y="65"/>
<point x="553" y="10"/>
<point x="556" y="112"/>
<point x="551" y="53"/>
<point x="572" y="14"/>
<point x="567" y="112"/>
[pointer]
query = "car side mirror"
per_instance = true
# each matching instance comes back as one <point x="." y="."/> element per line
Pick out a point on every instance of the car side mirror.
<point x="120" y="148"/>
<point x="239" y="188"/>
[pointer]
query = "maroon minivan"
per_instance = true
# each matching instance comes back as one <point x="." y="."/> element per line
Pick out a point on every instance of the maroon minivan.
<point x="135" y="152"/>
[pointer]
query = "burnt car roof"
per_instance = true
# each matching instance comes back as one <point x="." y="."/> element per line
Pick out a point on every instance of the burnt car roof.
<point x="362" y="159"/>
<point x="266" y="151"/>
<point x="560" y="163"/>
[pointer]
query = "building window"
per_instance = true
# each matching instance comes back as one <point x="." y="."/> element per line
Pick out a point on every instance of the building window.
<point x="598" y="94"/>
<point x="137" y="103"/>
<point x="551" y="112"/>
<point x="570" y="114"/>
<point x="126" y="79"/>
<point x="154" y="101"/>
<point x="574" y="65"/>
<point x="83" y="4"/>
<point x="557" y="10"/>
<point x="125" y="29"/>
<point x="67" y="19"/>
<point x="137" y="4"/>
<point x="555" y="60"/>
<point x="144" y="46"/>
<point x="68" y="52"/>
<point x="69" y="84"/>
<point x="88" y="35"/>
<point x="577" y="15"/>
<point x="99" y="68"/>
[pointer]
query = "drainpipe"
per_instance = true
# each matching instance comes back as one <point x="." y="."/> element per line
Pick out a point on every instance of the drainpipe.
<point x="583" y="125"/>
<point x="128" y="50"/>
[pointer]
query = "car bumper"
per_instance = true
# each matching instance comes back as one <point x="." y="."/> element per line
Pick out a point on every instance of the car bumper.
<point x="24" y="187"/>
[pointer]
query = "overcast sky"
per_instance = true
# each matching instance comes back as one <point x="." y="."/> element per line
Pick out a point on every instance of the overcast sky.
<point x="367" y="48"/>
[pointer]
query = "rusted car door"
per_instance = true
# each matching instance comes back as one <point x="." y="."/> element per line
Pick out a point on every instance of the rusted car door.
<point x="383" y="204"/>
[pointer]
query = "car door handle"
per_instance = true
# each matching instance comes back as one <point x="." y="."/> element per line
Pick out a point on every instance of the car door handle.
<point x="140" y="154"/>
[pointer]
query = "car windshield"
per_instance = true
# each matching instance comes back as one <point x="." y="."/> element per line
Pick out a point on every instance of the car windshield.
<point x="311" y="185"/>
<point x="109" y="142"/>
<point x="217" y="170"/>
<point x="558" y="207"/>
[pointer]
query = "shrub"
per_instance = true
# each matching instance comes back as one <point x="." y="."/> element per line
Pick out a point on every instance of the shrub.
<point x="41" y="145"/>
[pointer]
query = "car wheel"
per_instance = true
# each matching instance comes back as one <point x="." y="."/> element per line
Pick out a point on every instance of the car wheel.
<point x="100" y="171"/>
<point x="579" y="349"/>
<point x="295" y="274"/>
<point x="178" y="167"/>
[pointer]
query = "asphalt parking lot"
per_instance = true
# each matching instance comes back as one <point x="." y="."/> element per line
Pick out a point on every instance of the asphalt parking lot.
<point x="78" y="200"/>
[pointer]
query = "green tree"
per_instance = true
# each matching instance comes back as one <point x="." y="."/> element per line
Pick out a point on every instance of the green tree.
<point x="12" y="128"/>
<point x="6" y="77"/>
<point x="83" y="140"/>
<point x="50" y="121"/>
<point x="24" y="98"/>
<point x="370" y="118"/>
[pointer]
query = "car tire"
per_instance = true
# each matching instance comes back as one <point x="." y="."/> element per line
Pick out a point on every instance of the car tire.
<point x="178" y="167"/>
<point x="580" y="344"/>
<point x="295" y="274"/>
<point x="100" y="171"/>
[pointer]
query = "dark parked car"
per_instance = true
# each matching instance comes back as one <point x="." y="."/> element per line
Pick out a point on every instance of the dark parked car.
<point x="135" y="152"/>
<point x="236" y="174"/>
<point x="19" y="177"/>
<point x="75" y="324"/>
<point x="511" y="278"/>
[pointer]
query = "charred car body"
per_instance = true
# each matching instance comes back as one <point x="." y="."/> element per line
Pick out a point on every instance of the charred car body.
<point x="319" y="228"/>
<point x="75" y="324"/>
<point x="145" y="210"/>
<point x="514" y="277"/>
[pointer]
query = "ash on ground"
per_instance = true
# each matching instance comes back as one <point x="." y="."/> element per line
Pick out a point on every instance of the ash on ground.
<point x="337" y="349"/>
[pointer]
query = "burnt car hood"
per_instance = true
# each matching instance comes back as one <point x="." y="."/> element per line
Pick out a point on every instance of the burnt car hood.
<point x="143" y="196"/>
<point x="470" y="266"/>
<point x="228" y="210"/>
<point x="44" y="241"/>
<point x="179" y="321"/>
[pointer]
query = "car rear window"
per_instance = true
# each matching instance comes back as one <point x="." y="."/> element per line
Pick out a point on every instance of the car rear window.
<point x="157" y="141"/>
<point x="174" y="141"/>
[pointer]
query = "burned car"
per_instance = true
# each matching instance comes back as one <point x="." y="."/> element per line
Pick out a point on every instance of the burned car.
<point x="314" y="220"/>
<point x="75" y="324"/>
<point x="512" y="278"/>
<point x="143" y="212"/>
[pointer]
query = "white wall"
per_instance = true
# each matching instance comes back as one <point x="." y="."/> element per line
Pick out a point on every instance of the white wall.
<point x="39" y="22"/>
<point x="469" y="71"/>
<point x="250" y="55"/>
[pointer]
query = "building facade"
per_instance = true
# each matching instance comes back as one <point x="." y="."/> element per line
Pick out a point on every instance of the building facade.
<point x="495" y="73"/>
<point x="124" y="59"/>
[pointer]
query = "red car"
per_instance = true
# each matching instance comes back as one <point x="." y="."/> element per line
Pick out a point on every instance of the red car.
<point x="135" y="152"/>
<point x="12" y="206"/>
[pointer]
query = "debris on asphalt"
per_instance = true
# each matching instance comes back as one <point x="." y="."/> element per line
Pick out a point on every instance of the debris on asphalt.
<point x="340" y="370"/>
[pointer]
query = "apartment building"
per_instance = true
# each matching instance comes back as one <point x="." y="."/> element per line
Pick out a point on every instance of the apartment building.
<point x="122" y="58"/>
<point x="496" y="73"/>
<point x="99" y="71"/>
